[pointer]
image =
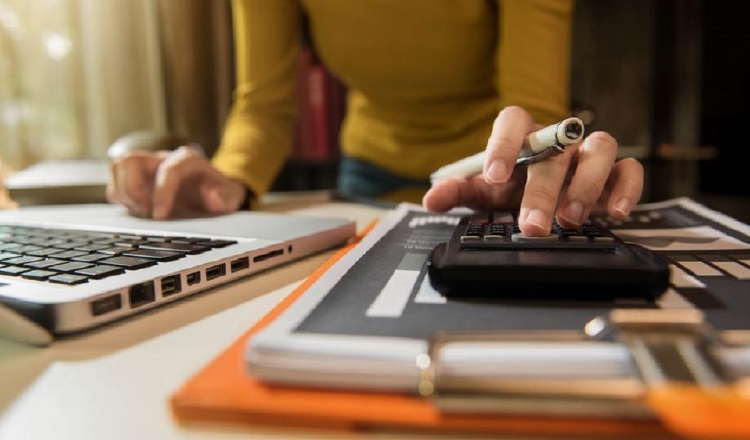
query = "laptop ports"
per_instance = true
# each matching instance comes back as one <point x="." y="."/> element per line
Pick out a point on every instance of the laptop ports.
<point x="193" y="278"/>
<point x="268" y="255"/>
<point x="239" y="264"/>
<point x="214" y="272"/>
<point x="140" y="294"/>
<point x="171" y="285"/>
<point x="106" y="305"/>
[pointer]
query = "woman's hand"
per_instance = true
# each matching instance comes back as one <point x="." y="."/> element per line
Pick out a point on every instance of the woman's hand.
<point x="167" y="184"/>
<point x="569" y="186"/>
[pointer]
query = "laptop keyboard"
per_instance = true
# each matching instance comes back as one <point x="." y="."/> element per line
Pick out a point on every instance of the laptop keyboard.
<point x="71" y="257"/>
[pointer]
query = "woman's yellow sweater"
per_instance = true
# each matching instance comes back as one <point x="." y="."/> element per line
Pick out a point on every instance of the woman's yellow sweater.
<point x="426" y="78"/>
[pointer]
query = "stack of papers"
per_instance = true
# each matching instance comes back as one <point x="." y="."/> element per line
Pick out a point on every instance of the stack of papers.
<point x="366" y="321"/>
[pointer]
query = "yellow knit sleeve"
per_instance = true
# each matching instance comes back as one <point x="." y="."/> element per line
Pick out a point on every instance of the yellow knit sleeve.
<point x="534" y="56"/>
<point x="259" y="132"/>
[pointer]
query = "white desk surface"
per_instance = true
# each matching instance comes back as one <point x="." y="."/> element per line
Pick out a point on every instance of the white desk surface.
<point x="115" y="382"/>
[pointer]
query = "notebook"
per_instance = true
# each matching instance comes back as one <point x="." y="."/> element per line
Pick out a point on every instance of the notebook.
<point x="69" y="268"/>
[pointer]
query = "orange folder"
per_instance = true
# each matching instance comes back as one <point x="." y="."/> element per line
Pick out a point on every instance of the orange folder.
<point x="225" y="391"/>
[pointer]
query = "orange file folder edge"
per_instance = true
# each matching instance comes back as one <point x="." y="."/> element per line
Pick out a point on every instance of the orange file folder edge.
<point x="224" y="391"/>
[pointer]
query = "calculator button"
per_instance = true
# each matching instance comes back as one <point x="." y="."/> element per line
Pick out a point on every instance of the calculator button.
<point x="470" y="239"/>
<point x="578" y="238"/>
<point x="520" y="237"/>
<point x="493" y="238"/>
<point x="604" y="239"/>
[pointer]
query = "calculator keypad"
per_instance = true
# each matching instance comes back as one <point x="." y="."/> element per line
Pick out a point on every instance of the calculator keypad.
<point x="500" y="230"/>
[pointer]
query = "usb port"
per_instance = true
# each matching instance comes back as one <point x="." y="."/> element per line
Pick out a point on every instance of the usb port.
<point x="215" y="272"/>
<point x="240" y="264"/>
<point x="141" y="294"/>
<point x="171" y="285"/>
<point x="193" y="278"/>
<point x="105" y="305"/>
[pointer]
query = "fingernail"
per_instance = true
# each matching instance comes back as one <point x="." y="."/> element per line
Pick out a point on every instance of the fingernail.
<point x="623" y="206"/>
<point x="497" y="172"/>
<point x="537" y="218"/>
<point x="574" y="212"/>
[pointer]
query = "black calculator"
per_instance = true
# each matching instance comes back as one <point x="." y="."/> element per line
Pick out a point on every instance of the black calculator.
<point x="488" y="255"/>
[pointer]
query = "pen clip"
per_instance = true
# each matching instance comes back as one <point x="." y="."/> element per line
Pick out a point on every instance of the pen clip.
<point x="552" y="150"/>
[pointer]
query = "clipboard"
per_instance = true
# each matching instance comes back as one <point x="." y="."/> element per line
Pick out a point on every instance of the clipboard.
<point x="224" y="391"/>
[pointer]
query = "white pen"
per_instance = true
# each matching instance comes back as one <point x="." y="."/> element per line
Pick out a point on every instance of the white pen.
<point x="537" y="146"/>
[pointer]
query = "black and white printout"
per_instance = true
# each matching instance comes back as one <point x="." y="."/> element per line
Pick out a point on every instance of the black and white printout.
<point x="377" y="304"/>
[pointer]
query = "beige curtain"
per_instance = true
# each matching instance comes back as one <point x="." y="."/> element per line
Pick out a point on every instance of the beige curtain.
<point x="122" y="82"/>
<point x="77" y="74"/>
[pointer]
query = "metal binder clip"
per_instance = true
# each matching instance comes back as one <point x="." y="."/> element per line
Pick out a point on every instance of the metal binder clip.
<point x="433" y="379"/>
<point x="642" y="349"/>
<point x="488" y="390"/>
<point x="667" y="345"/>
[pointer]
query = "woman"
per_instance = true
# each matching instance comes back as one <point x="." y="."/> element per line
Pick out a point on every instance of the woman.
<point x="429" y="82"/>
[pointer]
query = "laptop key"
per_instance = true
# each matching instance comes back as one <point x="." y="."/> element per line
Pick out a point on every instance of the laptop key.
<point x="109" y="240"/>
<point x="91" y="258"/>
<point x="70" y="267"/>
<point x="66" y="255"/>
<point x="121" y="237"/>
<point x="129" y="262"/>
<point x="160" y="239"/>
<point x="129" y="242"/>
<point x="184" y="240"/>
<point x="100" y="271"/>
<point x="38" y="274"/>
<point x="8" y="255"/>
<point x="68" y="278"/>
<point x="13" y="270"/>
<point x="25" y="248"/>
<point x="179" y="247"/>
<point x="92" y="247"/>
<point x="21" y="261"/>
<point x="216" y="243"/>
<point x="155" y="254"/>
<point x="43" y="264"/>
<point x="116" y="250"/>
<point x="43" y="252"/>
<point x="69" y="245"/>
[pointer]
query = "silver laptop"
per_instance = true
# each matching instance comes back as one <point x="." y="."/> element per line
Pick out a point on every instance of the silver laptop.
<point x="69" y="268"/>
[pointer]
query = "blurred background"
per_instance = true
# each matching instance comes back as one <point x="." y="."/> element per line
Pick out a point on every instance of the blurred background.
<point x="666" y="77"/>
<point x="77" y="74"/>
